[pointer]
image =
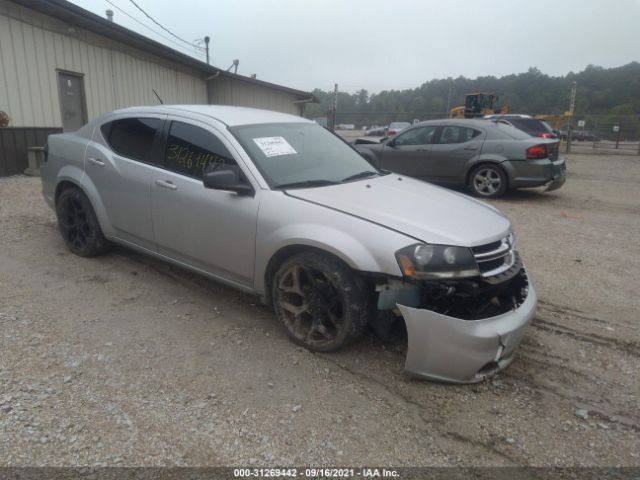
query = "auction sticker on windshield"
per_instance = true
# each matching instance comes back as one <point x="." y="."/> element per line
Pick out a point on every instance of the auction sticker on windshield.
<point x="274" y="146"/>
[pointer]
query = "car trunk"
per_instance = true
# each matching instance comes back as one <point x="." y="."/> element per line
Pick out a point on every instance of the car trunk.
<point x="553" y="149"/>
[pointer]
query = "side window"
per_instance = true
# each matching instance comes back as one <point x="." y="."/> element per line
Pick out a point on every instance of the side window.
<point x="451" y="134"/>
<point x="132" y="137"/>
<point x="416" y="136"/>
<point x="191" y="150"/>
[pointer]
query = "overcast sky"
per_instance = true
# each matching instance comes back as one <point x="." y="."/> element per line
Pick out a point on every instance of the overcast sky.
<point x="394" y="44"/>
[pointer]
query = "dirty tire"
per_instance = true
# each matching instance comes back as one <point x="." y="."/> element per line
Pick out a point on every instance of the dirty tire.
<point x="79" y="225"/>
<point x="320" y="301"/>
<point x="488" y="181"/>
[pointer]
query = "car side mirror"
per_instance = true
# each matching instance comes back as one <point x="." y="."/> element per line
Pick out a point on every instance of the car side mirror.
<point x="391" y="142"/>
<point x="227" y="179"/>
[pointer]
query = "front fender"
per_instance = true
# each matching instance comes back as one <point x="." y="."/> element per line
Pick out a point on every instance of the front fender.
<point x="331" y="240"/>
<point x="285" y="221"/>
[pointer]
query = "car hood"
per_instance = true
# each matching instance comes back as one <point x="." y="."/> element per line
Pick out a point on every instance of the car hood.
<point x="426" y="212"/>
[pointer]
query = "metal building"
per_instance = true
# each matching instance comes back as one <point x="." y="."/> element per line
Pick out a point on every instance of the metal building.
<point x="61" y="66"/>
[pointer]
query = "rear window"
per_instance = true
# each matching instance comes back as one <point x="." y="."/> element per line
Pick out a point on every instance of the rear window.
<point x="531" y="125"/>
<point x="511" y="131"/>
<point x="132" y="137"/>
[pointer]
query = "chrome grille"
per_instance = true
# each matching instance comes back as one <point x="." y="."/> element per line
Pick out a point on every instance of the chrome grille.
<point x="495" y="257"/>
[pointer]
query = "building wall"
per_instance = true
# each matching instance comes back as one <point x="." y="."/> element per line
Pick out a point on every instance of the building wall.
<point x="33" y="46"/>
<point x="232" y="91"/>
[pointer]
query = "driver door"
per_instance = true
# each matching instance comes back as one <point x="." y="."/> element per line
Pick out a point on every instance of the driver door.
<point x="212" y="230"/>
<point x="408" y="153"/>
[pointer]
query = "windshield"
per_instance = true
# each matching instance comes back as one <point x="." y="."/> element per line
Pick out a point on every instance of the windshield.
<point x="300" y="153"/>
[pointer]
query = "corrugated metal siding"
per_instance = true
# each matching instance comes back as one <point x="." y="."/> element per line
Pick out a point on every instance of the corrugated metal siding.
<point x="228" y="91"/>
<point x="33" y="46"/>
<point x="13" y="147"/>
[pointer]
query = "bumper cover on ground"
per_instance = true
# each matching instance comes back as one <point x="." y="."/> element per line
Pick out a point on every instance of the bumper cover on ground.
<point x="464" y="351"/>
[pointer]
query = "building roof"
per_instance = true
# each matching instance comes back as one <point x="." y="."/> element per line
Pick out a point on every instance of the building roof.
<point x="75" y="15"/>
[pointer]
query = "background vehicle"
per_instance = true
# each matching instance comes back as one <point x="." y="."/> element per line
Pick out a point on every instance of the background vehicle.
<point x="585" y="136"/>
<point x="396" y="127"/>
<point x="488" y="157"/>
<point x="477" y="105"/>
<point x="276" y="205"/>
<point x="376" y="132"/>
<point x="526" y="123"/>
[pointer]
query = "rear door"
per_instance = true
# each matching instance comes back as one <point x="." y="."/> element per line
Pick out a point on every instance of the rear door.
<point x="212" y="230"/>
<point x="408" y="153"/>
<point x="454" y="147"/>
<point x="119" y="162"/>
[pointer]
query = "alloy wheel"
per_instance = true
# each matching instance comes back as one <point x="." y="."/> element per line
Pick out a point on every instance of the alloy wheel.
<point x="487" y="181"/>
<point x="312" y="307"/>
<point x="74" y="223"/>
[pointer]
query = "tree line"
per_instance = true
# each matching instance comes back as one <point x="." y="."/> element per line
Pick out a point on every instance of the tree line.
<point x="612" y="92"/>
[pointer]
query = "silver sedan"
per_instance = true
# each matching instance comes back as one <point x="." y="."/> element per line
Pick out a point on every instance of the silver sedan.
<point x="275" y="205"/>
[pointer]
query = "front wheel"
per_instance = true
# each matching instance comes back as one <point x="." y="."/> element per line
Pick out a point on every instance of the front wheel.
<point x="320" y="301"/>
<point x="488" y="181"/>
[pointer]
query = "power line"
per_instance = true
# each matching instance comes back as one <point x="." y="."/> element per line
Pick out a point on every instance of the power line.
<point x="151" y="29"/>
<point x="161" y="26"/>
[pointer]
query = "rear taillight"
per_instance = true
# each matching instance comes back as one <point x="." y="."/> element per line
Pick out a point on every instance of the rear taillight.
<point x="46" y="152"/>
<point x="539" y="151"/>
<point x="546" y="135"/>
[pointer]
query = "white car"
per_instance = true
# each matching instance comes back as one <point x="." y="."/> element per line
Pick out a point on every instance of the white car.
<point x="276" y="205"/>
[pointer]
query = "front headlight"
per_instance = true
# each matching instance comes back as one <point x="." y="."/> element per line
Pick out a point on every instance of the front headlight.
<point x="424" y="261"/>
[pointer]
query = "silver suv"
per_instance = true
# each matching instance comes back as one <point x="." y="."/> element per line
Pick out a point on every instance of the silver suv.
<point x="277" y="206"/>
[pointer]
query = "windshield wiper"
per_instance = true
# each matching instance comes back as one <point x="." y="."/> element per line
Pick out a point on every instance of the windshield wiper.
<point x="306" y="184"/>
<point x="366" y="173"/>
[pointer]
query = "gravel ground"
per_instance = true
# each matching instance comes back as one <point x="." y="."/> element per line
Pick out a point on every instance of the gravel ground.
<point x="123" y="360"/>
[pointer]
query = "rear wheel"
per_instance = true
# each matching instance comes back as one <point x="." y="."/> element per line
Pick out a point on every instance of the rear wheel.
<point x="488" y="181"/>
<point x="79" y="225"/>
<point x="320" y="301"/>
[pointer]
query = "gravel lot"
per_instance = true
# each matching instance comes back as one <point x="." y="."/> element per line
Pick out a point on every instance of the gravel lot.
<point x="123" y="360"/>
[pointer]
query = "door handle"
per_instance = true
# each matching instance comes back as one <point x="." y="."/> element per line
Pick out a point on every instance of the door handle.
<point x="470" y="148"/>
<point x="422" y="149"/>
<point x="95" y="161"/>
<point x="166" y="184"/>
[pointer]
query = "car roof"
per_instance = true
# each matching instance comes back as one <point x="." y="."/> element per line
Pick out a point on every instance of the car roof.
<point x="508" y="115"/>
<point x="469" y="122"/>
<point x="229" y="115"/>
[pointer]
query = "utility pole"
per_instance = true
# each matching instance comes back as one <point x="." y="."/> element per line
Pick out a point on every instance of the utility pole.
<point x="206" y="47"/>
<point x="331" y="121"/>
<point x="572" y="107"/>
<point x="449" y="99"/>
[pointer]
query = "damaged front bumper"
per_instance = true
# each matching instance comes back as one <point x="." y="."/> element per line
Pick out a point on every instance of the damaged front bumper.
<point x="450" y="349"/>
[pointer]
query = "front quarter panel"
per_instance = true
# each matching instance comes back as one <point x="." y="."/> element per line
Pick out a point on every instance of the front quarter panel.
<point x="285" y="221"/>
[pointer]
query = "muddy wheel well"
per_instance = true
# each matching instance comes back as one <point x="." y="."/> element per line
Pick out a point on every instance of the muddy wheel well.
<point x="62" y="186"/>
<point x="278" y="258"/>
